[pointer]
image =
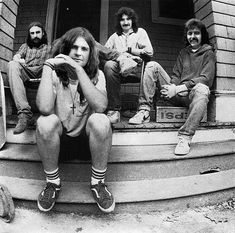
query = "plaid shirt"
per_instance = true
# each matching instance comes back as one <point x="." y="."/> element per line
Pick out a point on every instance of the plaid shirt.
<point x="34" y="56"/>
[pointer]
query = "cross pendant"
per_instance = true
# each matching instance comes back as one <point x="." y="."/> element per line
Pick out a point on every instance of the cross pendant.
<point x="73" y="107"/>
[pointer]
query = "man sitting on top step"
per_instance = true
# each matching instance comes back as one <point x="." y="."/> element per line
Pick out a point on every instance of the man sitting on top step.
<point x="27" y="64"/>
<point x="193" y="75"/>
<point x="129" y="40"/>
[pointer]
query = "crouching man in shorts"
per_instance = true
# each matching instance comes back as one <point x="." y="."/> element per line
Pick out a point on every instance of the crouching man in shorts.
<point x="72" y="98"/>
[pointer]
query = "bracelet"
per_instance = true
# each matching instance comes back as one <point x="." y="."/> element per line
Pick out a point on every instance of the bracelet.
<point x="49" y="64"/>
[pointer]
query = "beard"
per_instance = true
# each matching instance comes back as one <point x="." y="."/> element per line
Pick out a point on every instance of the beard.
<point x="36" y="42"/>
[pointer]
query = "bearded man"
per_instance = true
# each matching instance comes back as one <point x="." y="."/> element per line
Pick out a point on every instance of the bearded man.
<point x="27" y="66"/>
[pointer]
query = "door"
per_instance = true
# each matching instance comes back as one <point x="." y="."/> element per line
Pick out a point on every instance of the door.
<point x="79" y="13"/>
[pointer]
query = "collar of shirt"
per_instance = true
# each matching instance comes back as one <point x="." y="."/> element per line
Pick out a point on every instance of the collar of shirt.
<point x="128" y="33"/>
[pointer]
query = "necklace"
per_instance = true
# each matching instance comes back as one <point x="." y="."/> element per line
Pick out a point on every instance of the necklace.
<point x="73" y="97"/>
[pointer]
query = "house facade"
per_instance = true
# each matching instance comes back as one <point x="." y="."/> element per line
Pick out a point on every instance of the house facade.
<point x="164" y="26"/>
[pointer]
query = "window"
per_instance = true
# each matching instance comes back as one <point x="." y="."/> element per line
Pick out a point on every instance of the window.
<point x="171" y="11"/>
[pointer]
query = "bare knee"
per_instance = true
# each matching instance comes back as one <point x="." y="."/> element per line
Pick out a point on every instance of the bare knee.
<point x="99" y="124"/>
<point x="152" y="65"/>
<point x="48" y="126"/>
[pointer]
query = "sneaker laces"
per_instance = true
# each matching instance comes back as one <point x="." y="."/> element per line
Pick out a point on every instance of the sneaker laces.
<point x="105" y="194"/>
<point x="141" y="113"/>
<point x="49" y="191"/>
<point x="181" y="141"/>
<point x="110" y="113"/>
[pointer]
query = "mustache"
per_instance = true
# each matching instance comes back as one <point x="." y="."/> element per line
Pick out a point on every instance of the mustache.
<point x="193" y="39"/>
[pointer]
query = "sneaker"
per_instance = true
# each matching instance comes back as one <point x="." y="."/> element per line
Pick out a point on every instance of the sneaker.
<point x="48" y="196"/>
<point x="103" y="197"/>
<point x="114" y="116"/>
<point x="183" y="146"/>
<point x="142" y="116"/>
<point x="23" y="122"/>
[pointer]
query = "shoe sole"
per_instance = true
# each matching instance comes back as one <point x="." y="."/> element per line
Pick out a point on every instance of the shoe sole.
<point x="109" y="210"/>
<point x="138" y="123"/>
<point x="181" y="153"/>
<point x="44" y="210"/>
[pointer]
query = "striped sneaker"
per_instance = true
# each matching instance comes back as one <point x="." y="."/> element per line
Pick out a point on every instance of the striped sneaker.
<point x="48" y="196"/>
<point x="103" y="197"/>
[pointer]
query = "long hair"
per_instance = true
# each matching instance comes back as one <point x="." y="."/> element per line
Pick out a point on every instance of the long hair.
<point x="44" y="36"/>
<point x="64" y="44"/>
<point x="191" y="24"/>
<point x="131" y="14"/>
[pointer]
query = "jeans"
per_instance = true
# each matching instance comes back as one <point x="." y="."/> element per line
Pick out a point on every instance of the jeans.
<point x="18" y="74"/>
<point x="113" y="83"/>
<point x="196" y="100"/>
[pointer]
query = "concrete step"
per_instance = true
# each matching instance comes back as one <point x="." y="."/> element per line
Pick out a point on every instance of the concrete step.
<point x="128" y="191"/>
<point x="81" y="172"/>
<point x="141" y="137"/>
<point x="125" y="163"/>
<point x="131" y="153"/>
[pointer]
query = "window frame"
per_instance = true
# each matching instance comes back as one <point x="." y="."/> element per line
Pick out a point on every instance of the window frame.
<point x="156" y="18"/>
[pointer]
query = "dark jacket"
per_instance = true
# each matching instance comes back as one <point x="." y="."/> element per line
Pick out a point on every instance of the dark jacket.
<point x="194" y="67"/>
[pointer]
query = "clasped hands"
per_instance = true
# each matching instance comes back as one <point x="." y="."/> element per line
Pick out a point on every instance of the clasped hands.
<point x="67" y="63"/>
<point x="168" y="91"/>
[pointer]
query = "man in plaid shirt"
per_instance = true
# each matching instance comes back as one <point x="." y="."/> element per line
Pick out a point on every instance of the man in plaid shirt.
<point x="27" y="66"/>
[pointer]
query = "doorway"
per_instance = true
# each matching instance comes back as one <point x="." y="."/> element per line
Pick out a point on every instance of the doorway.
<point x="79" y="13"/>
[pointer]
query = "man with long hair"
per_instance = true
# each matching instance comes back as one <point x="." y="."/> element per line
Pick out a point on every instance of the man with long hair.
<point x="132" y="41"/>
<point x="189" y="85"/>
<point x="27" y="65"/>
<point x="72" y="98"/>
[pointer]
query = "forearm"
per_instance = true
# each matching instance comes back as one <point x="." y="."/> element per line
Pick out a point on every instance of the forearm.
<point x="45" y="99"/>
<point x="96" y="98"/>
<point x="106" y="53"/>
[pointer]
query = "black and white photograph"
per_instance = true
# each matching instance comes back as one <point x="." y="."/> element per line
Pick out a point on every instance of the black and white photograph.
<point x="117" y="116"/>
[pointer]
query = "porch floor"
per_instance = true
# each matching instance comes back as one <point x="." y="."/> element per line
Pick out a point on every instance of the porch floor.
<point x="124" y="125"/>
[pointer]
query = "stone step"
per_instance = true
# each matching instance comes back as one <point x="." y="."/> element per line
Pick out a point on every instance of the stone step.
<point x="128" y="191"/>
<point x="132" y="153"/>
<point x="141" y="137"/>
<point x="125" y="163"/>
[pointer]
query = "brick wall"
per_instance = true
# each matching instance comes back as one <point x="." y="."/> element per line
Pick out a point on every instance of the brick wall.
<point x="28" y="12"/>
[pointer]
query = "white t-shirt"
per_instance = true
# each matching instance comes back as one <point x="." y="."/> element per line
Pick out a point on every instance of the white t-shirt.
<point x="64" y="101"/>
<point x="137" y="40"/>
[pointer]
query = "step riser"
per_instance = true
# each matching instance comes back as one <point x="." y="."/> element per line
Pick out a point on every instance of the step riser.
<point x="121" y="171"/>
<point x="140" y="138"/>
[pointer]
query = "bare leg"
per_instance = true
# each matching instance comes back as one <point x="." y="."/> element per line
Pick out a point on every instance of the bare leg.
<point x="99" y="131"/>
<point x="49" y="130"/>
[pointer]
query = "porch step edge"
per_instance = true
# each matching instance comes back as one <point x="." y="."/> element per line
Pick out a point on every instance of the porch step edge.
<point x="128" y="191"/>
<point x="121" y="154"/>
<point x="148" y="137"/>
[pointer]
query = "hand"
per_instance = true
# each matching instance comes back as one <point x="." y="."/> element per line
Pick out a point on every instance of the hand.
<point x="22" y="61"/>
<point x="137" y="59"/>
<point x="168" y="91"/>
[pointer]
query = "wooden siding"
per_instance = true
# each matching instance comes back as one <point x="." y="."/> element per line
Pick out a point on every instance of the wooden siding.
<point x="8" y="12"/>
<point x="219" y="16"/>
<point x="28" y="12"/>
